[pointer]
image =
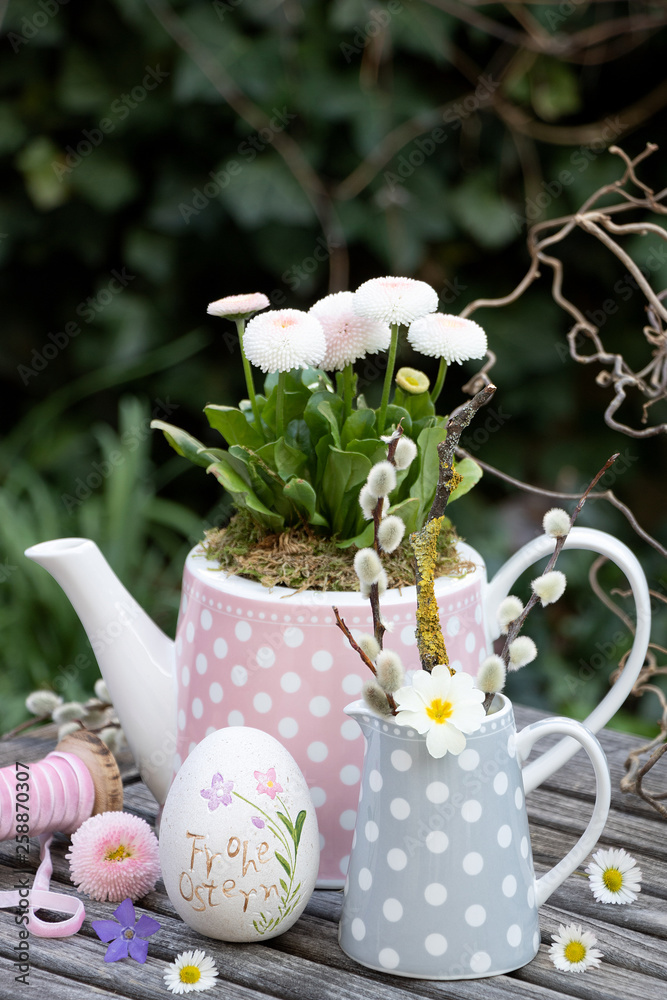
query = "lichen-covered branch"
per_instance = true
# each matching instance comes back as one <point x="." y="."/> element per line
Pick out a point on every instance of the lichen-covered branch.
<point x="424" y="543"/>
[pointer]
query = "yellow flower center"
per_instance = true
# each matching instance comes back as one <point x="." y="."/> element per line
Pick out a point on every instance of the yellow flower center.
<point x="190" y="974"/>
<point x="119" y="854"/>
<point x="575" y="952"/>
<point x="439" y="710"/>
<point x="269" y="784"/>
<point x="613" y="879"/>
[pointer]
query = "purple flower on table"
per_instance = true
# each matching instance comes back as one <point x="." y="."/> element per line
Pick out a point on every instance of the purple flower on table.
<point x="258" y="822"/>
<point x="219" y="793"/>
<point x="126" y="933"/>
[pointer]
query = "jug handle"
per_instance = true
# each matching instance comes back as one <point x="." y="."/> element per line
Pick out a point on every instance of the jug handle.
<point x="596" y="541"/>
<point x="524" y="741"/>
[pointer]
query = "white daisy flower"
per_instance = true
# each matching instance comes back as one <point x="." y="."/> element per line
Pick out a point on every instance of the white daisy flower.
<point x="238" y="306"/>
<point x="614" y="876"/>
<point x="450" y="337"/>
<point x="442" y="705"/>
<point x="191" y="972"/>
<point x="349" y="336"/>
<point x="283" y="339"/>
<point x="395" y="300"/>
<point x="572" y="949"/>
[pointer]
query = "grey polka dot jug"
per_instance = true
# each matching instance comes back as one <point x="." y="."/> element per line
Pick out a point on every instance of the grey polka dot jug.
<point x="441" y="882"/>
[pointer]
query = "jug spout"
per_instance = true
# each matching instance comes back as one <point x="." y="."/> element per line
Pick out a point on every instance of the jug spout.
<point x="135" y="657"/>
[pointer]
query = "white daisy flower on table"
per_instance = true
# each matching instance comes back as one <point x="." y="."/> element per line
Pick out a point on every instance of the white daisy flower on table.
<point x="283" y="339"/>
<point x="614" y="876"/>
<point x="238" y="306"/>
<point x="453" y="338"/>
<point x="395" y="300"/>
<point x="349" y="336"/>
<point x="191" y="972"/>
<point x="444" y="706"/>
<point x="572" y="949"/>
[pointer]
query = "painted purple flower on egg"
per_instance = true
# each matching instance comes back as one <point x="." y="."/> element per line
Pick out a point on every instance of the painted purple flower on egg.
<point x="219" y="793"/>
<point x="258" y="822"/>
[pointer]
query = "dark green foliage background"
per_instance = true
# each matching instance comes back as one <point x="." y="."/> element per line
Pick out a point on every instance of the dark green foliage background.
<point x="341" y="86"/>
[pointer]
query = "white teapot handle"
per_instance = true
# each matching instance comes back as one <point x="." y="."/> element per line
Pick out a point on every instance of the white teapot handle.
<point x="596" y="541"/>
<point x="581" y="736"/>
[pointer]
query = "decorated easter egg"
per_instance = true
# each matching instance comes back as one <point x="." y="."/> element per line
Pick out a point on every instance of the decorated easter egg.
<point x="239" y="845"/>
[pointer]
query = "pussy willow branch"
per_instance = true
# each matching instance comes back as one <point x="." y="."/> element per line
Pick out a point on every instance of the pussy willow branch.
<point x="515" y="626"/>
<point x="367" y="660"/>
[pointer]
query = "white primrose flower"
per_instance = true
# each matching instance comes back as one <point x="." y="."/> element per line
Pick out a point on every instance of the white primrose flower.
<point x="453" y="338"/>
<point x="390" y="533"/>
<point x="614" y="876"/>
<point x="556" y="522"/>
<point x="382" y="479"/>
<point x="550" y="586"/>
<point x="508" y="611"/>
<point x="238" y="306"/>
<point x="367" y="566"/>
<point x="572" y="949"/>
<point x="395" y="300"/>
<point x="491" y="675"/>
<point x="283" y="339"/>
<point x="349" y="336"/>
<point x="406" y="452"/>
<point x="522" y="651"/>
<point x="442" y="705"/>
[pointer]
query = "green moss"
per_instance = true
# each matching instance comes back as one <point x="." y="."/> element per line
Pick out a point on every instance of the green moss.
<point x="294" y="559"/>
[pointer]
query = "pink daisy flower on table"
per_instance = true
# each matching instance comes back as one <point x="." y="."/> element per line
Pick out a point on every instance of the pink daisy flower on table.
<point x="220" y="792"/>
<point x="114" y="855"/>
<point x="395" y="300"/>
<point x="268" y="784"/>
<point x="238" y="306"/>
<point x="284" y="339"/>
<point x="349" y="336"/>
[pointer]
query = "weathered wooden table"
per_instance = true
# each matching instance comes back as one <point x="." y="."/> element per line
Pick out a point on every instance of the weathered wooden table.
<point x="306" y="962"/>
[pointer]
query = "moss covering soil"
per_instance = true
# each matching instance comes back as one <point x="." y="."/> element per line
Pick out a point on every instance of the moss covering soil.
<point x="304" y="561"/>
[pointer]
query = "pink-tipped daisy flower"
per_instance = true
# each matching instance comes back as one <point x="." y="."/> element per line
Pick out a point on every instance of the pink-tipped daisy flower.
<point x="268" y="783"/>
<point x="114" y="855"/>
<point x="395" y="300"/>
<point x="450" y="337"/>
<point x="349" y="336"/>
<point x="283" y="339"/>
<point x="126" y="933"/>
<point x="238" y="306"/>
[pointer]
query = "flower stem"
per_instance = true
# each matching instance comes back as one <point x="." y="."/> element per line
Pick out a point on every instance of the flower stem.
<point x="280" y="405"/>
<point x="247" y="371"/>
<point x="388" y="377"/>
<point x="348" y="379"/>
<point x="440" y="381"/>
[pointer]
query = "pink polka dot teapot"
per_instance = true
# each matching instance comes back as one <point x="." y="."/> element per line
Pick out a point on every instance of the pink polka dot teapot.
<point x="275" y="660"/>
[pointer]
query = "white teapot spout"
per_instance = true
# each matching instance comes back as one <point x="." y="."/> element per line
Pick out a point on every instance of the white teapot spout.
<point x="135" y="657"/>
